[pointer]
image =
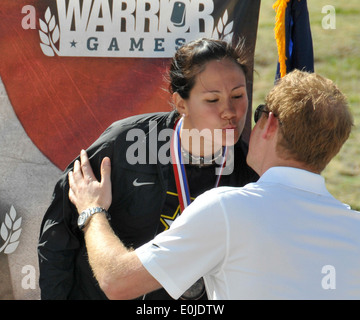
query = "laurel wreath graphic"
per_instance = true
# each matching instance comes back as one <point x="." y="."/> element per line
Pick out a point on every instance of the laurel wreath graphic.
<point x="223" y="30"/>
<point x="10" y="232"/>
<point x="49" y="34"/>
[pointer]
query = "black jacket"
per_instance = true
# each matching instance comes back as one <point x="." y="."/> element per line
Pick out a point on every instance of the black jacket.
<point x="135" y="211"/>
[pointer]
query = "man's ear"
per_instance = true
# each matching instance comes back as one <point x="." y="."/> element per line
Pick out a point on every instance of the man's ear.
<point x="180" y="103"/>
<point x="271" y="126"/>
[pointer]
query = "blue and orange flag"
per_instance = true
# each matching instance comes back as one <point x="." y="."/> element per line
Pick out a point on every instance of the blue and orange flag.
<point x="293" y="37"/>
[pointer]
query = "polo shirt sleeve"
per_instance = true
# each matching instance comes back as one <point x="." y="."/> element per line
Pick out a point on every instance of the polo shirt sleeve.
<point x="194" y="246"/>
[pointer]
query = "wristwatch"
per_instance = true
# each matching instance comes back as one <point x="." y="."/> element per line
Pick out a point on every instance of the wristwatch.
<point x="84" y="217"/>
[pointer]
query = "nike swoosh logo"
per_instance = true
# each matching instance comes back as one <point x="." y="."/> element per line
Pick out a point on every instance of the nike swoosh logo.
<point x="138" y="184"/>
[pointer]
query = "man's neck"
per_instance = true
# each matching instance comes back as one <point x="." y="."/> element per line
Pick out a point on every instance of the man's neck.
<point x="287" y="163"/>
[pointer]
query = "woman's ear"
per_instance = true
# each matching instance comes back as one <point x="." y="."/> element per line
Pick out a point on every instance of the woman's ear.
<point x="180" y="103"/>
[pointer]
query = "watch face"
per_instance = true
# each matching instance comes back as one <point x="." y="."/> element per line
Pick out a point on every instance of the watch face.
<point x="82" y="219"/>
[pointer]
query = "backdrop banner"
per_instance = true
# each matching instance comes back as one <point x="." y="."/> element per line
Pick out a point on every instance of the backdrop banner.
<point x="69" y="68"/>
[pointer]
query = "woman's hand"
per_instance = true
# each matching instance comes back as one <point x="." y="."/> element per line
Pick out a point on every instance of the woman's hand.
<point x="85" y="191"/>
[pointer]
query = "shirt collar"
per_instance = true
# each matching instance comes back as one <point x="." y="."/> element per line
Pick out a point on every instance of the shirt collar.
<point x="296" y="178"/>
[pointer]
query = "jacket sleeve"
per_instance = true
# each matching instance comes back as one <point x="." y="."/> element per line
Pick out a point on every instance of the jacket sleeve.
<point x="58" y="244"/>
<point x="60" y="238"/>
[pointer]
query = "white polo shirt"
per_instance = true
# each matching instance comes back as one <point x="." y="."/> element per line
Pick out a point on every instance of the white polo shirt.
<point x="283" y="237"/>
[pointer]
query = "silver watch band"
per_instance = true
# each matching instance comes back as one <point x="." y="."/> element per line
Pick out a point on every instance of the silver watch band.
<point x="85" y="216"/>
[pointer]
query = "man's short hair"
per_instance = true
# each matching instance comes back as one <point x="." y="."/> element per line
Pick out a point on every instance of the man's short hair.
<point x="314" y="116"/>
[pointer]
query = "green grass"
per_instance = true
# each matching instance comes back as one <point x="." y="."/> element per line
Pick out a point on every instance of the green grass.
<point x="337" y="56"/>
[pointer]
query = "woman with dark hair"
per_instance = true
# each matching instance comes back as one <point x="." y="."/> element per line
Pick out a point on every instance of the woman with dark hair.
<point x="160" y="163"/>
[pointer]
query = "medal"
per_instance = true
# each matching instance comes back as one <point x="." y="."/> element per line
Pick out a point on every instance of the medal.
<point x="197" y="290"/>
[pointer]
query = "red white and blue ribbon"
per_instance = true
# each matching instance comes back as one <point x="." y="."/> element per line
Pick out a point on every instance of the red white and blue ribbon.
<point x="179" y="167"/>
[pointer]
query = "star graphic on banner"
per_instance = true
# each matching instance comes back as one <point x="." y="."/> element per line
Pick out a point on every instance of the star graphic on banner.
<point x="73" y="44"/>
